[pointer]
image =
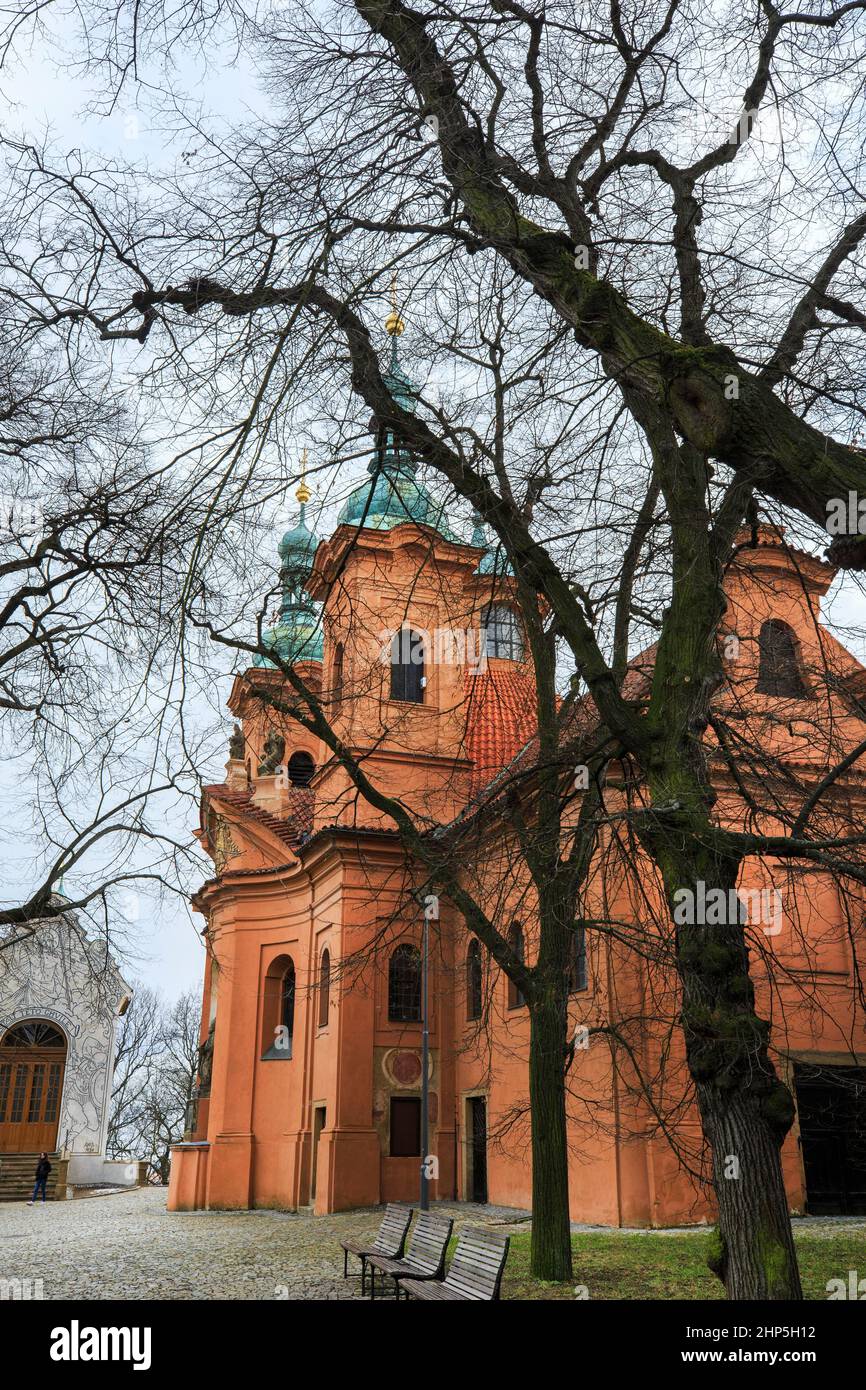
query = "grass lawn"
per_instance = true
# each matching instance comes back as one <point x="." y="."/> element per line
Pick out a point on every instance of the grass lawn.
<point x="656" y="1266"/>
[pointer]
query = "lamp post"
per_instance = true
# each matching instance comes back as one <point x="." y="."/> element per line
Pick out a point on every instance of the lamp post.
<point x="431" y="913"/>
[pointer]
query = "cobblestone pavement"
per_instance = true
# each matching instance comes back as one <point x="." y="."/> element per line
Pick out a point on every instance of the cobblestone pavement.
<point x="128" y="1246"/>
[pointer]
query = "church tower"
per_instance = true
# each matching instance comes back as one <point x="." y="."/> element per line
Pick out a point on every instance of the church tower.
<point x="408" y="635"/>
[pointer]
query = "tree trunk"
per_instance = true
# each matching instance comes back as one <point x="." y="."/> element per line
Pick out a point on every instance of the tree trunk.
<point x="754" y="1252"/>
<point x="745" y="1108"/>
<point x="551" y="1234"/>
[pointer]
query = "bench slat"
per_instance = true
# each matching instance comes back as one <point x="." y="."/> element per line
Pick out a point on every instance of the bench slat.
<point x="476" y="1270"/>
<point x="430" y="1292"/>
<point x="425" y="1258"/>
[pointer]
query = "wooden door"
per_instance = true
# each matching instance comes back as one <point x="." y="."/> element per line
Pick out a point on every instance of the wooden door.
<point x="31" y="1084"/>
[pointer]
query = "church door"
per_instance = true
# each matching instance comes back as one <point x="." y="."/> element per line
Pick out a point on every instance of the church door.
<point x="32" y="1060"/>
<point x="831" y="1106"/>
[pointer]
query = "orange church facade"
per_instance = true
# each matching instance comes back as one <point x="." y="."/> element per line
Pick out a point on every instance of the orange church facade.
<point x="311" y="1041"/>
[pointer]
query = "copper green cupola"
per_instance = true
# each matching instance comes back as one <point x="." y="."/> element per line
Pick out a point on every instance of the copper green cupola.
<point x="493" y="560"/>
<point x="297" y="636"/>
<point x="393" y="495"/>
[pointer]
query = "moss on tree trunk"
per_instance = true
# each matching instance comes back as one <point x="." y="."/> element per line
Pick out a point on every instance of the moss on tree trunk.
<point x="551" y="1231"/>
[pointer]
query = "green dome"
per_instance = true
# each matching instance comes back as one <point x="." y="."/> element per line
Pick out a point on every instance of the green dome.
<point x="297" y="549"/>
<point x="298" y="634"/>
<point x="393" y="494"/>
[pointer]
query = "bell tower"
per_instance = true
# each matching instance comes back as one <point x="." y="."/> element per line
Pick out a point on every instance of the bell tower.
<point x="407" y="633"/>
<point x="394" y="582"/>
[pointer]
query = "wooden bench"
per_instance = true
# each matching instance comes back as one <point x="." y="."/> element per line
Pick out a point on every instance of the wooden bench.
<point x="475" y="1274"/>
<point x="389" y="1242"/>
<point x="426" y="1257"/>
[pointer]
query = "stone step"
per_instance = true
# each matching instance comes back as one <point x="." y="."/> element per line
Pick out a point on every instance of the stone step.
<point x="7" y="1167"/>
<point x="11" y="1165"/>
<point x="18" y="1174"/>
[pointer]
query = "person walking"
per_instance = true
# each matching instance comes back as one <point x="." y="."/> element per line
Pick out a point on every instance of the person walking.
<point x="43" y="1168"/>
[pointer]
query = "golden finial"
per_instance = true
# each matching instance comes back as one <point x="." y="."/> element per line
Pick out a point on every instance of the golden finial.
<point x="303" y="493"/>
<point x="394" y="325"/>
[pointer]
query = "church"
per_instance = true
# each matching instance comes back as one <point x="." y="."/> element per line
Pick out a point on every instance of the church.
<point x="309" y="1091"/>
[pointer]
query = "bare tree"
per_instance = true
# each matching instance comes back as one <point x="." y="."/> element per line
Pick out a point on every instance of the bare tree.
<point x="155" y="1075"/>
<point x="135" y="1064"/>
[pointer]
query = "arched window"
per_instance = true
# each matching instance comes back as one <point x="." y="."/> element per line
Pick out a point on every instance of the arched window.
<point x="278" y="1010"/>
<point x="473" y="980"/>
<point x="404" y="985"/>
<point x="324" y="987"/>
<point x="501" y="634"/>
<point x="577" y="959"/>
<point x="301" y="769"/>
<point x="36" y="1033"/>
<point x="778" y="666"/>
<point x="337" y="673"/>
<point x="515" y="941"/>
<point x="407" y="666"/>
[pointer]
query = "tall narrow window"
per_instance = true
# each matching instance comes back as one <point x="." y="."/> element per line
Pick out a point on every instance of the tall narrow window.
<point x="404" y="985"/>
<point x="287" y="1005"/>
<point x="473" y="981"/>
<point x="407" y="666"/>
<point x="778" y="666"/>
<point x="301" y="769"/>
<point x="577" y="959"/>
<point x="36" y="1084"/>
<point x="515" y="941"/>
<point x="18" y="1092"/>
<point x="337" y="673"/>
<point x="501" y="633"/>
<point x="324" y="987"/>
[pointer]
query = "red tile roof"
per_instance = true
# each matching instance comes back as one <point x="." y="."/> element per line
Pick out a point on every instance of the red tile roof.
<point x="288" y="828"/>
<point x="500" y="719"/>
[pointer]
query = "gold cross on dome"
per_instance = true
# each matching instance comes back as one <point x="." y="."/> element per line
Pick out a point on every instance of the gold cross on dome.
<point x="394" y="324"/>
<point x="303" y="493"/>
